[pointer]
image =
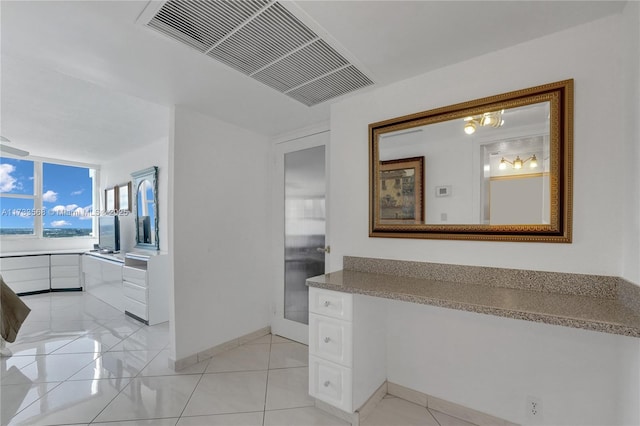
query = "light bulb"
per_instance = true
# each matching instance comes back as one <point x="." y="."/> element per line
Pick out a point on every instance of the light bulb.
<point x="470" y="127"/>
<point x="517" y="163"/>
<point x="534" y="162"/>
<point x="503" y="164"/>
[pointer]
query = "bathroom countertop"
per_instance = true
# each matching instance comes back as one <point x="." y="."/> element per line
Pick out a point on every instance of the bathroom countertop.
<point x="608" y="315"/>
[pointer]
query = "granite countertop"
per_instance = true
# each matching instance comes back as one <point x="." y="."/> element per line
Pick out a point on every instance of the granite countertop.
<point x="590" y="313"/>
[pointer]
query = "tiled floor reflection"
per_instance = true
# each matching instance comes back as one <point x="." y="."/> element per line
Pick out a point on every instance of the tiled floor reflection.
<point x="79" y="361"/>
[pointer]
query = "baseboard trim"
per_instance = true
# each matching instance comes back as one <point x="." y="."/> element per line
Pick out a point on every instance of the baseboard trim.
<point x="446" y="407"/>
<point x="179" y="364"/>
<point x="372" y="402"/>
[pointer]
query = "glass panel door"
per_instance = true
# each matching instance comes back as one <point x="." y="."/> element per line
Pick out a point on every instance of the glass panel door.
<point x="304" y="228"/>
<point x="299" y="223"/>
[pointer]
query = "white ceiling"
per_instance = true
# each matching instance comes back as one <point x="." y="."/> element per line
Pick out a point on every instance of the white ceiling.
<point x="82" y="81"/>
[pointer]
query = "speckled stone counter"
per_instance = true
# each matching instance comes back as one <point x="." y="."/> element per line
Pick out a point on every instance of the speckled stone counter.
<point x="614" y="308"/>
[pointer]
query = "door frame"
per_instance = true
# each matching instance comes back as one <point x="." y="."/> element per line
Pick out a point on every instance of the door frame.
<point x="309" y="138"/>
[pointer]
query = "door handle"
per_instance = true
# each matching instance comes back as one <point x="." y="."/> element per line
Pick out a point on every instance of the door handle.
<point x="326" y="249"/>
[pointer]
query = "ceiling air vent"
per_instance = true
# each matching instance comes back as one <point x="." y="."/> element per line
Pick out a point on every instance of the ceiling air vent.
<point x="263" y="40"/>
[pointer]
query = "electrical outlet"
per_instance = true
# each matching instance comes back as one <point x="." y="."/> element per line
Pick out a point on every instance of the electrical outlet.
<point x="534" y="408"/>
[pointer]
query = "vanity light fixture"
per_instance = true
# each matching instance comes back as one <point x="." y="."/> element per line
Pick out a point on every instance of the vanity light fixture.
<point x="487" y="119"/>
<point x="518" y="163"/>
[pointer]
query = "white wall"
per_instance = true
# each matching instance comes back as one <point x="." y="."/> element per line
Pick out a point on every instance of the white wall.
<point x="493" y="364"/>
<point x="583" y="53"/>
<point x="485" y="362"/>
<point x="118" y="171"/>
<point x="221" y="245"/>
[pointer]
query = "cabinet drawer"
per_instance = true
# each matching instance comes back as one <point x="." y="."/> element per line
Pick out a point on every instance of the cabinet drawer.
<point x="331" y="303"/>
<point x="65" y="282"/>
<point x="18" y="275"/>
<point x="330" y="383"/>
<point x="24" y="262"/>
<point x="330" y="339"/>
<point x="65" y="260"/>
<point x="65" y="271"/>
<point x="20" y="287"/>
<point x="136" y="308"/>
<point x="135" y="292"/>
<point x="134" y="275"/>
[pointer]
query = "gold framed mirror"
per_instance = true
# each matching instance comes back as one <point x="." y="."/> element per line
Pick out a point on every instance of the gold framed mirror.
<point x="496" y="169"/>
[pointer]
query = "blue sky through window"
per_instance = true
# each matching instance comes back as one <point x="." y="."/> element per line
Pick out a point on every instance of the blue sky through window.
<point x="66" y="197"/>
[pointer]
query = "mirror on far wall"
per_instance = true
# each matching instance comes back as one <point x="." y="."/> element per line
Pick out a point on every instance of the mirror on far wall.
<point x="497" y="168"/>
<point x="146" y="208"/>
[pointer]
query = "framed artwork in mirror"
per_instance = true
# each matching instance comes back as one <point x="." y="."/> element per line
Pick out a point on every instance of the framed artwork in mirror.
<point x="110" y="200"/>
<point x="401" y="190"/>
<point x="124" y="197"/>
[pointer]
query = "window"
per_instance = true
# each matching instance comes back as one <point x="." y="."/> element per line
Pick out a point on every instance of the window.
<point x="46" y="199"/>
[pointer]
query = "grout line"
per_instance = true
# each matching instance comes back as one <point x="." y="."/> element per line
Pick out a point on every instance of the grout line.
<point x="266" y="389"/>
<point x="434" y="417"/>
<point x="190" y="396"/>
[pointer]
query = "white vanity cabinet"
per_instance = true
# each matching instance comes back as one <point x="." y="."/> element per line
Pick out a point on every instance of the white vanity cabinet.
<point x="145" y="280"/>
<point x="65" y="271"/>
<point x="26" y="274"/>
<point x="347" y="354"/>
<point x="103" y="278"/>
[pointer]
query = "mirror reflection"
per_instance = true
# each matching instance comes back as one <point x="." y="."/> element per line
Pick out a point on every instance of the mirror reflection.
<point x="146" y="205"/>
<point x="497" y="168"/>
<point x="475" y="172"/>
<point x="146" y="212"/>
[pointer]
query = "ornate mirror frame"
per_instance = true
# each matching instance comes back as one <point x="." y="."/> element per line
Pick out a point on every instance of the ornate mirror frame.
<point x="150" y="174"/>
<point x="558" y="230"/>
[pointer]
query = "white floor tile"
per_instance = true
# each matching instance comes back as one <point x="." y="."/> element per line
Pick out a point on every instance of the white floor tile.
<point x="398" y="412"/>
<point x="447" y="420"/>
<point x="240" y="419"/>
<point x="242" y="358"/>
<point x="288" y="388"/>
<point x="40" y="345"/>
<point x="115" y="365"/>
<point x="159" y="366"/>
<point x="16" y="398"/>
<point x="70" y="402"/>
<point x="90" y="342"/>
<point x="150" y="398"/>
<point x="150" y="422"/>
<point x="49" y="368"/>
<point x="224" y="393"/>
<point x="286" y="355"/>
<point x="143" y="340"/>
<point x="280" y="339"/>
<point x="260" y="340"/>
<point x="307" y="416"/>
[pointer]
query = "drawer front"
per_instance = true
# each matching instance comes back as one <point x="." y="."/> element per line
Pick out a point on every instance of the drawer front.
<point x="24" y="262"/>
<point x="330" y="383"/>
<point x="18" y="275"/>
<point x="135" y="292"/>
<point x="330" y="339"/>
<point x="136" y="308"/>
<point x="331" y="303"/>
<point x="28" y="286"/>
<point x="65" y="271"/>
<point x="65" y="282"/>
<point x="134" y="275"/>
<point x="65" y="260"/>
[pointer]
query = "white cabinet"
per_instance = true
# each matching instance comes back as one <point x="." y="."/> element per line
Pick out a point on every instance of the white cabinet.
<point x="26" y="274"/>
<point x="103" y="278"/>
<point x="65" y="271"/>
<point x="145" y="281"/>
<point x="347" y="353"/>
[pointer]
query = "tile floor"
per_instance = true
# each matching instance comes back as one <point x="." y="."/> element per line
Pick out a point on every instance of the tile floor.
<point x="79" y="361"/>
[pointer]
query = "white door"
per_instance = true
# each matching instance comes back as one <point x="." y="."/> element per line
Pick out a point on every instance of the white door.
<point x="301" y="246"/>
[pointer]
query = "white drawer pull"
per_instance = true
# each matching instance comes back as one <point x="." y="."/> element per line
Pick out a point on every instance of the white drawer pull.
<point x="327" y="303"/>
<point x="326" y="384"/>
<point x="327" y="339"/>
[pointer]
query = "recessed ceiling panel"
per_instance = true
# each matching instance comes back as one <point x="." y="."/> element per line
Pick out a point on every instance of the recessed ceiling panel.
<point x="265" y="41"/>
